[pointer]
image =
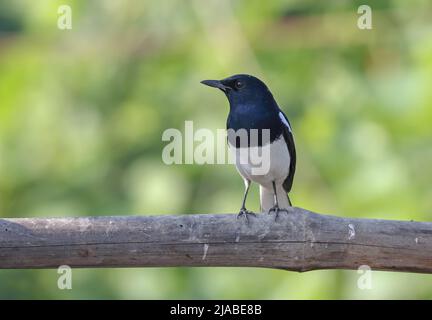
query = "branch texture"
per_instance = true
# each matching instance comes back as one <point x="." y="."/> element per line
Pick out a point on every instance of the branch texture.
<point x="298" y="241"/>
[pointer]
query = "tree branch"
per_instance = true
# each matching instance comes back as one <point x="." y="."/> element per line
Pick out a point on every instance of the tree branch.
<point x="298" y="241"/>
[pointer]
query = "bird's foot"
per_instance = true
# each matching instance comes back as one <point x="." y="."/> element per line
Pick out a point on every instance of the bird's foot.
<point x="277" y="210"/>
<point x="244" y="212"/>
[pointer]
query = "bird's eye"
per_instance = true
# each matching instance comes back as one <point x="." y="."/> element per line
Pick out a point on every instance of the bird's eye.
<point x="239" y="84"/>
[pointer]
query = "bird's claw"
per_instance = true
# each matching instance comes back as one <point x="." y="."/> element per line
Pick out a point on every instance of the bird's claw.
<point x="276" y="210"/>
<point x="245" y="212"/>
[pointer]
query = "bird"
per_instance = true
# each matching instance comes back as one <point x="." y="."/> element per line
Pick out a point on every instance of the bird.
<point x="252" y="106"/>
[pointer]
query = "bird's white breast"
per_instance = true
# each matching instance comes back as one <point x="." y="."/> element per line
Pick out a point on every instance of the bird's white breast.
<point x="277" y="162"/>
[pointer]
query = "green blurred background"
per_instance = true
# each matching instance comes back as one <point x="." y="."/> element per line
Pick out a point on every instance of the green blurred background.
<point x="82" y="112"/>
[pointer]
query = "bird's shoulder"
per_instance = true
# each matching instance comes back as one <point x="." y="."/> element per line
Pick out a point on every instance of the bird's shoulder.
<point x="284" y="120"/>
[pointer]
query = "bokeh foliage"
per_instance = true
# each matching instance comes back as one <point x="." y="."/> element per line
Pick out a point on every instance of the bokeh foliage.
<point x="82" y="113"/>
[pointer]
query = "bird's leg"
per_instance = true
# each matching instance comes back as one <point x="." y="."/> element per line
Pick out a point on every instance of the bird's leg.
<point x="276" y="208"/>
<point x="243" y="210"/>
<point x="289" y="200"/>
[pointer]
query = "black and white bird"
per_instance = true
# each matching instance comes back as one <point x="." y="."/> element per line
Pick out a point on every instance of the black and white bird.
<point x="252" y="106"/>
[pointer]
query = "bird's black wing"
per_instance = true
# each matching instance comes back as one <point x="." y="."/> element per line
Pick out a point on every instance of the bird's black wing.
<point x="289" y="139"/>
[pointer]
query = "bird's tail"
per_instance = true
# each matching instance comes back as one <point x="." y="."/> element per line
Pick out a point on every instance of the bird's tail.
<point x="267" y="198"/>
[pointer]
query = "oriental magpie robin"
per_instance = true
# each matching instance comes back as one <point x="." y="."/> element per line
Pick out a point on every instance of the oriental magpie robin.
<point x="252" y="106"/>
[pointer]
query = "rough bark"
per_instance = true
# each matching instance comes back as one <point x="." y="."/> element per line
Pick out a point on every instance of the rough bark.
<point x="298" y="241"/>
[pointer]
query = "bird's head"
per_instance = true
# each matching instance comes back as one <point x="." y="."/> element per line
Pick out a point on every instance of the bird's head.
<point x="243" y="89"/>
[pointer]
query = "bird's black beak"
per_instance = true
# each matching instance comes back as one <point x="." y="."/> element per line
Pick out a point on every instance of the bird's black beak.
<point x="215" y="84"/>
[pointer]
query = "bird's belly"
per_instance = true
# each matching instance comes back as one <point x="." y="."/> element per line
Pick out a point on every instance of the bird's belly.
<point x="273" y="165"/>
